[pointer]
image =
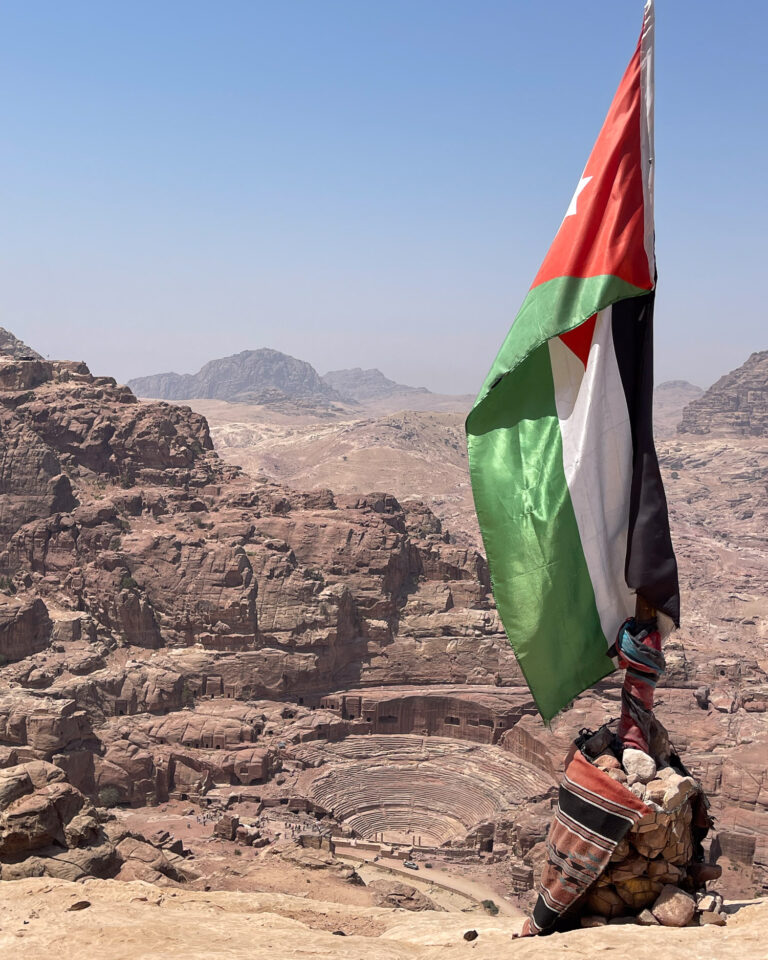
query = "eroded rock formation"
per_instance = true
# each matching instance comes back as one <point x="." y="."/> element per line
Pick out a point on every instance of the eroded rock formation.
<point x="163" y="546"/>
<point x="736" y="404"/>
<point x="11" y="346"/>
<point x="48" y="828"/>
<point x="174" y="629"/>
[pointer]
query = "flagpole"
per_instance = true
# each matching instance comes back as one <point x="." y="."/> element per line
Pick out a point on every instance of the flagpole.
<point x="643" y="609"/>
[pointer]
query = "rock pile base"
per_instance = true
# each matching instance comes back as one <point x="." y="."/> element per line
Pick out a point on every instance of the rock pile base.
<point x="657" y="873"/>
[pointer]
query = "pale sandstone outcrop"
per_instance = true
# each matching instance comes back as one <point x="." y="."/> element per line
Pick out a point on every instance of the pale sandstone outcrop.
<point x="126" y="920"/>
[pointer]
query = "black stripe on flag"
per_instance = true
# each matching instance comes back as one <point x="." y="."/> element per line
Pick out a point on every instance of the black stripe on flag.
<point x="651" y="568"/>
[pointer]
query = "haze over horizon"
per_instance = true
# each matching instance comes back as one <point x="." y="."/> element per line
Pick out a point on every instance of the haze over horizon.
<point x="359" y="184"/>
<point x="321" y="372"/>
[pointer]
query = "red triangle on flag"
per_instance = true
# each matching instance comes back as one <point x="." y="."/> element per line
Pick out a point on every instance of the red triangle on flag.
<point x="603" y="232"/>
<point x="580" y="339"/>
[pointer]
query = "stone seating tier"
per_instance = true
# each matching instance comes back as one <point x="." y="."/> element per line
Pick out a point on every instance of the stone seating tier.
<point x="436" y="788"/>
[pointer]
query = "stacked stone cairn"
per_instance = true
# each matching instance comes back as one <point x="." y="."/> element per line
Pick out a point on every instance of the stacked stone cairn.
<point x="657" y="874"/>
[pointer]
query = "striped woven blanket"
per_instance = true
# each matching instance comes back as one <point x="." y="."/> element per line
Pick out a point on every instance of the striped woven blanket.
<point x="594" y="812"/>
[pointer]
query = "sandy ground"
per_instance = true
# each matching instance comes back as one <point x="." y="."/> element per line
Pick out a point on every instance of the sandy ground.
<point x="137" y="921"/>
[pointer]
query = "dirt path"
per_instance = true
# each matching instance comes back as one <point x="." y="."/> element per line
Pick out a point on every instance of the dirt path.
<point x="472" y="889"/>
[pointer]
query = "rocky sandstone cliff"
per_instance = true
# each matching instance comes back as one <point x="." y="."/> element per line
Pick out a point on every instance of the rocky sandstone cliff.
<point x="122" y="534"/>
<point x="49" y="829"/>
<point x="737" y="405"/>
<point x="173" y="630"/>
<point x="11" y="346"/>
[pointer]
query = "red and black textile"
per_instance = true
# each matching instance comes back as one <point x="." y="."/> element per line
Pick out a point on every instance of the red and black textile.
<point x="638" y="647"/>
<point x="593" y="813"/>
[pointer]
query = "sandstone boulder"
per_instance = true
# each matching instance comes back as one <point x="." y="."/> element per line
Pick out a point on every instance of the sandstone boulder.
<point x="607" y="762"/>
<point x="143" y="861"/>
<point x="638" y="765"/>
<point x="393" y="893"/>
<point x="674" y="907"/>
<point x="37" y="818"/>
<point x="25" y="627"/>
<point x="48" y="828"/>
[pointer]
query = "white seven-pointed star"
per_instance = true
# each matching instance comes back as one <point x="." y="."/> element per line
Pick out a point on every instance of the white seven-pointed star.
<point x="572" y="205"/>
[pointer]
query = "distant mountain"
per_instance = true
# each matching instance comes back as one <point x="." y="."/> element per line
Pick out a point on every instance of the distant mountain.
<point x="365" y="385"/>
<point x="669" y="398"/>
<point x="11" y="346"/>
<point x="253" y="376"/>
<point x="737" y="405"/>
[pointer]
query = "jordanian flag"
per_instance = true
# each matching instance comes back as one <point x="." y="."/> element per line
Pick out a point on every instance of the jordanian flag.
<point x="564" y="471"/>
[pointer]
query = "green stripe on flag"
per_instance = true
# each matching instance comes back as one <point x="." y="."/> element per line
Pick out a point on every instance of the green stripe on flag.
<point x="540" y="578"/>
<point x="550" y="309"/>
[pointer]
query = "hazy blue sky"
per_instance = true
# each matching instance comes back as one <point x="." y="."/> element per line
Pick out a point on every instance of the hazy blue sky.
<point x="359" y="182"/>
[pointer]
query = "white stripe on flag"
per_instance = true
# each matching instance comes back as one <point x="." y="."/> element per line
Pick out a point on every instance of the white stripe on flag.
<point x="597" y="457"/>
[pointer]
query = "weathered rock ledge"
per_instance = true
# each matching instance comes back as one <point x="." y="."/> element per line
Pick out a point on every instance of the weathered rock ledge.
<point x="128" y="921"/>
